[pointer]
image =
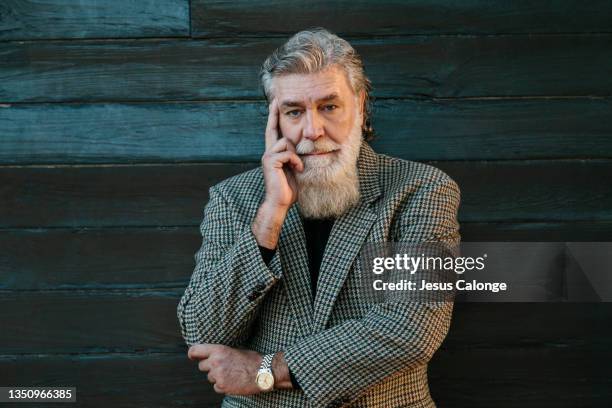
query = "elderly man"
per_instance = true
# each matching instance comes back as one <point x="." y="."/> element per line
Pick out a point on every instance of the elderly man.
<point x="273" y="312"/>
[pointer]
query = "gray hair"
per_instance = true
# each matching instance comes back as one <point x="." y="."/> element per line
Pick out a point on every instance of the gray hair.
<point x="313" y="50"/>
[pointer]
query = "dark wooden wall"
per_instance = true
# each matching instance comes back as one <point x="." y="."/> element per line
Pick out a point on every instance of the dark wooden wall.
<point x="116" y="116"/>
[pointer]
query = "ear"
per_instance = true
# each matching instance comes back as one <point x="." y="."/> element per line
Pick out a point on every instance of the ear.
<point x="362" y="101"/>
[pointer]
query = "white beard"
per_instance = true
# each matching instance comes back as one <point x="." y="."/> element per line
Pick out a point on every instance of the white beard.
<point x="329" y="184"/>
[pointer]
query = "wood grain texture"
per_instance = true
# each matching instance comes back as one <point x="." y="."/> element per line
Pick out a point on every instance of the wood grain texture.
<point x="367" y="17"/>
<point x="162" y="258"/>
<point x="415" y="67"/>
<point x="125" y="258"/>
<point x="551" y="378"/>
<point x="175" y="195"/>
<point x="47" y="19"/>
<point x="95" y="321"/>
<point x="115" y="379"/>
<point x="555" y="325"/>
<point x="92" y="321"/>
<point x="233" y="131"/>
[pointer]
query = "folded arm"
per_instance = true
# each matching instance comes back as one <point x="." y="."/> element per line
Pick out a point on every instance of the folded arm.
<point x="229" y="281"/>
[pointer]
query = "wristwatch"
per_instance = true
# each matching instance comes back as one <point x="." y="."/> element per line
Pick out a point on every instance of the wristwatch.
<point x="265" y="379"/>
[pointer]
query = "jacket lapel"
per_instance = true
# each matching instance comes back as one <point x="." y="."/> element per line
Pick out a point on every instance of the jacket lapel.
<point x="294" y="261"/>
<point x="346" y="239"/>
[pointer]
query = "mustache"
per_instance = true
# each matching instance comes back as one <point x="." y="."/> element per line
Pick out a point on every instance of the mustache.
<point x="307" y="146"/>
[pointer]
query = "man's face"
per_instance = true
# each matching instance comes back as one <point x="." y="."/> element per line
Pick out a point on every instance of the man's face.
<point x="317" y="113"/>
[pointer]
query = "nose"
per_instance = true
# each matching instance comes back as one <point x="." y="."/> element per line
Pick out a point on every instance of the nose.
<point x="313" y="128"/>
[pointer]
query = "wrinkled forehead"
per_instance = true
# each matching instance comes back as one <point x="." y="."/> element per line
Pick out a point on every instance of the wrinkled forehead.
<point x="331" y="84"/>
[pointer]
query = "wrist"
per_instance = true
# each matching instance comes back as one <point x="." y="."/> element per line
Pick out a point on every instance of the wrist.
<point x="273" y="208"/>
<point x="268" y="222"/>
<point x="280" y="370"/>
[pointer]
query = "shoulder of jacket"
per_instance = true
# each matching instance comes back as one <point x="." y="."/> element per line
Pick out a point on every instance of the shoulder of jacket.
<point x="243" y="187"/>
<point x="398" y="174"/>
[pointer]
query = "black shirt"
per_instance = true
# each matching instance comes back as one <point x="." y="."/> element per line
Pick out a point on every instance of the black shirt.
<point x="317" y="234"/>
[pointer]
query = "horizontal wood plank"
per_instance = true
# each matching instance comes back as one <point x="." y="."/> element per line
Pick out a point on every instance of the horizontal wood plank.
<point x="538" y="379"/>
<point x="91" y="321"/>
<point x="581" y="231"/>
<point x="551" y="378"/>
<point x="146" y="320"/>
<point x="415" y="67"/>
<point x="48" y="19"/>
<point x="482" y="378"/>
<point x="364" y="18"/>
<point x="175" y="195"/>
<point x="126" y="258"/>
<point x="112" y="379"/>
<point x="130" y="258"/>
<point x="233" y="131"/>
<point x="540" y="325"/>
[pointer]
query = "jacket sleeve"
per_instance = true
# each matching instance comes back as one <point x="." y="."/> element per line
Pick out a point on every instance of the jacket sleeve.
<point x="336" y="365"/>
<point x="229" y="281"/>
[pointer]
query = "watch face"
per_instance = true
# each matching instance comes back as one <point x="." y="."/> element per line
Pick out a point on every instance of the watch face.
<point x="265" y="380"/>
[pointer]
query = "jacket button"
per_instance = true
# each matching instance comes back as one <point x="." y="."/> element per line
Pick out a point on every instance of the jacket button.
<point x="253" y="295"/>
<point x="260" y="287"/>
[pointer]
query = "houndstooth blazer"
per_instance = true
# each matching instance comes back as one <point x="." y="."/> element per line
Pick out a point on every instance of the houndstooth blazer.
<point x="342" y="351"/>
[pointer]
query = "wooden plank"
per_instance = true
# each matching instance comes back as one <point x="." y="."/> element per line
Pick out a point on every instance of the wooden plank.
<point x="126" y="258"/>
<point x="415" y="67"/>
<point x="555" y="325"/>
<point x="175" y="195"/>
<point x="109" y="195"/>
<point x="96" y="321"/>
<point x="47" y="19"/>
<point x="164" y="257"/>
<point x="563" y="190"/>
<point x="550" y="378"/>
<point x="363" y="17"/>
<point x="233" y="131"/>
<point x="480" y="378"/>
<point x="582" y="231"/>
<point x="92" y="321"/>
<point x="113" y="379"/>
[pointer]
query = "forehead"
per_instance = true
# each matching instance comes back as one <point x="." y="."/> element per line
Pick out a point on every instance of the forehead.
<point x="310" y="88"/>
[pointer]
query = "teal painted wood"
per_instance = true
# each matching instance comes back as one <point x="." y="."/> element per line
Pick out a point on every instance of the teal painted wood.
<point x="529" y="325"/>
<point x="61" y="322"/>
<point x="537" y="377"/>
<point x="233" y="131"/>
<point x="89" y="321"/>
<point x="370" y="17"/>
<point x="110" y="379"/>
<point x="24" y="20"/>
<point x="175" y="195"/>
<point x="163" y="258"/>
<point x="106" y="258"/>
<point x="421" y="66"/>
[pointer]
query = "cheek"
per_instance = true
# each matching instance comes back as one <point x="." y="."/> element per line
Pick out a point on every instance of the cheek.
<point x="289" y="130"/>
<point x="285" y="126"/>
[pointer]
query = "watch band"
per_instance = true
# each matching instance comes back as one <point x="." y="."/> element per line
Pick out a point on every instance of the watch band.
<point x="267" y="361"/>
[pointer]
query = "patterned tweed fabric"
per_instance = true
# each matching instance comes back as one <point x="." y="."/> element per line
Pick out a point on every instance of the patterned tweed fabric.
<point x="343" y="350"/>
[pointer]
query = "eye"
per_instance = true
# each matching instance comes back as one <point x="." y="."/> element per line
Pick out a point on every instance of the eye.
<point x="291" y="113"/>
<point x="330" y="107"/>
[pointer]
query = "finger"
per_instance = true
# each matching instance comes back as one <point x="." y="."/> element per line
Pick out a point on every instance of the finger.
<point x="199" y="351"/>
<point x="211" y="378"/>
<point x="280" y="145"/>
<point x="279" y="159"/>
<point x="204" y="365"/>
<point x="218" y="389"/>
<point x="272" y="126"/>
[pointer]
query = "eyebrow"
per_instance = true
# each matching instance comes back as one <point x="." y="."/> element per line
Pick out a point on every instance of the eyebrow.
<point x="329" y="97"/>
